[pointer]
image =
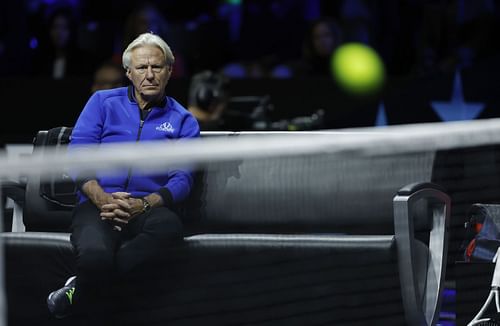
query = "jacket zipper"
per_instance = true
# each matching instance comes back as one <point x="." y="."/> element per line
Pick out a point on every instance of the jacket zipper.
<point x="136" y="140"/>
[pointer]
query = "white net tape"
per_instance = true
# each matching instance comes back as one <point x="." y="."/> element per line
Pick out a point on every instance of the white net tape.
<point x="153" y="156"/>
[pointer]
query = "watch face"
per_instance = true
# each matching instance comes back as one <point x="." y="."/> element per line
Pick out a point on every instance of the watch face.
<point x="146" y="205"/>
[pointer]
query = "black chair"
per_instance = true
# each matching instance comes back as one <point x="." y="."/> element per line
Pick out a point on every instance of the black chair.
<point x="12" y="218"/>
<point x="474" y="277"/>
<point x="50" y="202"/>
<point x="469" y="175"/>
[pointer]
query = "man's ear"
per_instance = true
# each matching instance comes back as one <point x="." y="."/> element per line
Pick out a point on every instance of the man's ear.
<point x="127" y="73"/>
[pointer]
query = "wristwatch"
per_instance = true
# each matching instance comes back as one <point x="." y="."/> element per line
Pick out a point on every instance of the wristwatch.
<point x="146" y="206"/>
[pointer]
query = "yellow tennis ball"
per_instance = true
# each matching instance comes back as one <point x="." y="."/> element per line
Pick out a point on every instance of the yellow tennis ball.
<point x="357" y="68"/>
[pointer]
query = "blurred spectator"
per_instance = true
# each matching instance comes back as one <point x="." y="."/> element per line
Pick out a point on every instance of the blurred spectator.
<point x="456" y="35"/>
<point x="323" y="37"/>
<point x="208" y="98"/>
<point x="108" y="75"/>
<point x="148" y="18"/>
<point x="358" y="21"/>
<point x="271" y="28"/>
<point x="58" y="55"/>
<point x="437" y="35"/>
<point x="477" y="36"/>
<point x="252" y="69"/>
<point x="15" y="53"/>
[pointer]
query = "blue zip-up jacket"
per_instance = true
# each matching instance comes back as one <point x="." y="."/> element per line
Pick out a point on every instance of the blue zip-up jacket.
<point x="114" y="116"/>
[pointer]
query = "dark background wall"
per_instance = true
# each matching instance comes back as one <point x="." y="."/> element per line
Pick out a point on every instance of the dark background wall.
<point x="41" y="103"/>
<point x="423" y="45"/>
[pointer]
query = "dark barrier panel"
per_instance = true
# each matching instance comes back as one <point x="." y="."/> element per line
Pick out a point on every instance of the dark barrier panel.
<point x="32" y="104"/>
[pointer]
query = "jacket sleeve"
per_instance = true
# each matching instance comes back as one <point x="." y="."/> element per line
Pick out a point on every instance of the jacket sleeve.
<point x="87" y="131"/>
<point x="180" y="181"/>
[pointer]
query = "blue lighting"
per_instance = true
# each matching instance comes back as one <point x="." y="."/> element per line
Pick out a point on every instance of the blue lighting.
<point x="33" y="43"/>
<point x="457" y="109"/>
<point x="72" y="3"/>
<point x="92" y="26"/>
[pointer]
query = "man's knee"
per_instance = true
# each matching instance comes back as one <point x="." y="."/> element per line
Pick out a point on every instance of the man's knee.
<point x="165" y="222"/>
<point x="97" y="263"/>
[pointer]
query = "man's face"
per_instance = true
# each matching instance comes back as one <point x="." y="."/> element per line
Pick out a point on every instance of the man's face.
<point x="149" y="72"/>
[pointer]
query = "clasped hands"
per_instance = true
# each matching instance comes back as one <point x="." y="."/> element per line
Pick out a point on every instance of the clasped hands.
<point x="120" y="207"/>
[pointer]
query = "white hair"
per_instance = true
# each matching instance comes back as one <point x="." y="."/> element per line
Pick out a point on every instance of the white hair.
<point x="144" y="40"/>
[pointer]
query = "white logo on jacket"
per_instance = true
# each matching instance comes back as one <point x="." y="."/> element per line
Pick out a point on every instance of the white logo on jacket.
<point x="166" y="127"/>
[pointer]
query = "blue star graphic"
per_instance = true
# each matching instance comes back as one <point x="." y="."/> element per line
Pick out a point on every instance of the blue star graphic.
<point x="457" y="109"/>
<point x="381" y="119"/>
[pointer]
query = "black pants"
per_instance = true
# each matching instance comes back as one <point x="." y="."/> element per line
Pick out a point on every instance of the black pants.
<point x="106" y="257"/>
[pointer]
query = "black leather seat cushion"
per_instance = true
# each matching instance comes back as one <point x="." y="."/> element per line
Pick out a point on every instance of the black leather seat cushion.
<point x="36" y="263"/>
<point x="227" y="279"/>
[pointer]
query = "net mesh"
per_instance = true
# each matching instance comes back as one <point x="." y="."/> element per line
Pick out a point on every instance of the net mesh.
<point x="307" y="193"/>
<point x="266" y="184"/>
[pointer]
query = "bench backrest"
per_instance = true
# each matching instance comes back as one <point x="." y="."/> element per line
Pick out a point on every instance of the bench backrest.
<point x="322" y="193"/>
